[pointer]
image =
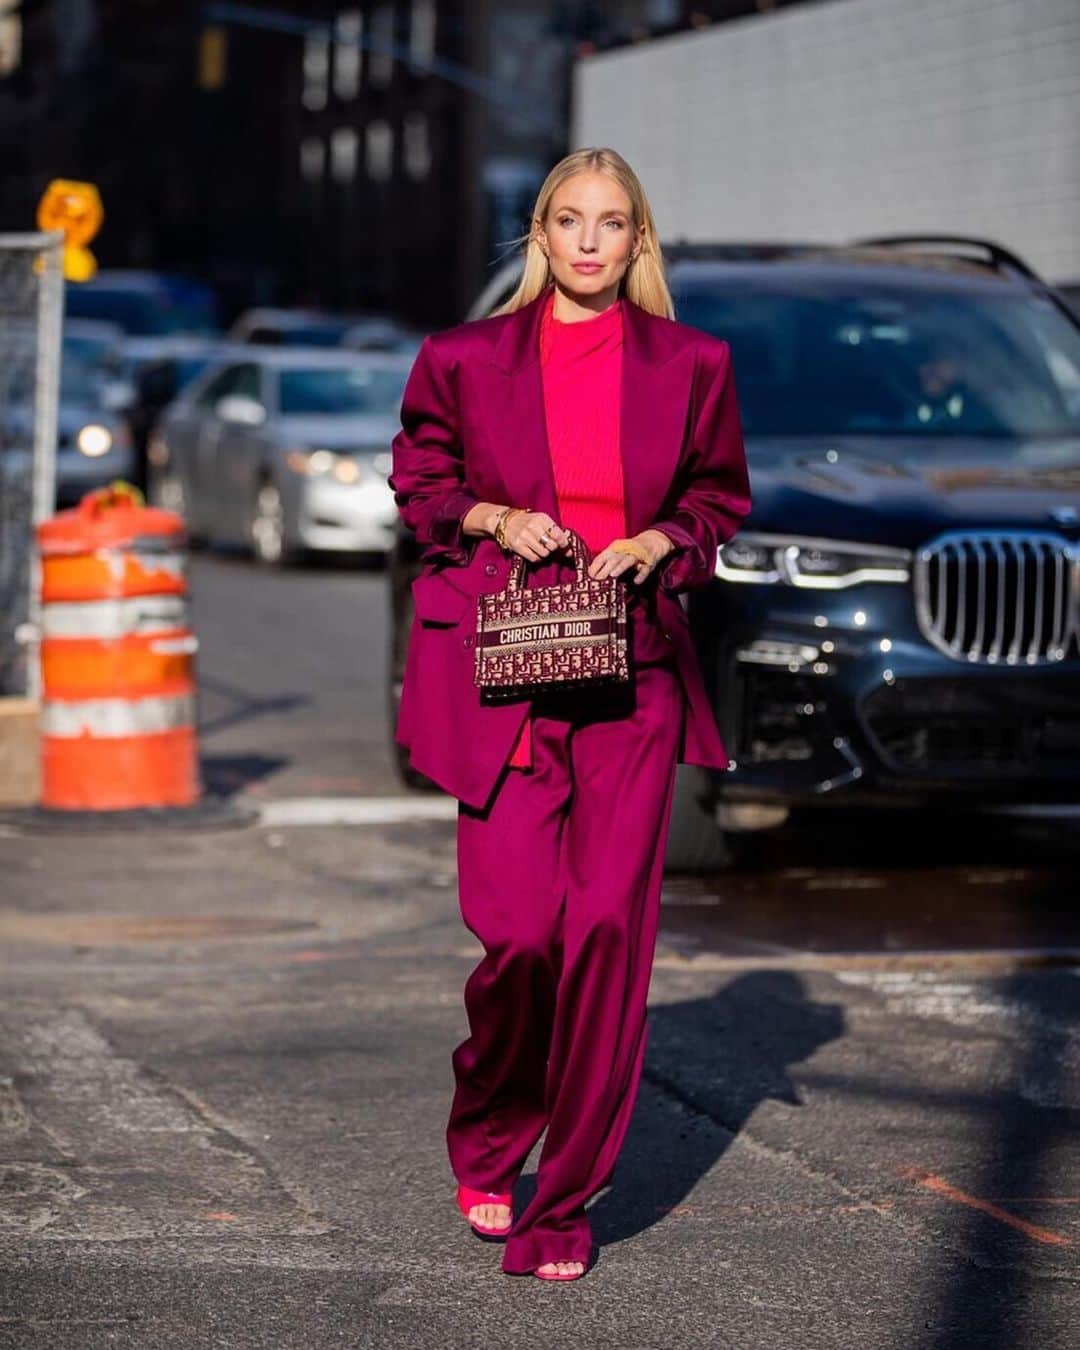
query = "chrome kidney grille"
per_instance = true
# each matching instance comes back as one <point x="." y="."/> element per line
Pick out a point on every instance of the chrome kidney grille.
<point x="999" y="596"/>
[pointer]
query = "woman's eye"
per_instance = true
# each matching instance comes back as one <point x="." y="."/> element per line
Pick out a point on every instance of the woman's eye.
<point x="566" y="221"/>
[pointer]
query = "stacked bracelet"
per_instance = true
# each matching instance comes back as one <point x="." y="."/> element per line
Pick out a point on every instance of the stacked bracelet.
<point x="499" y="532"/>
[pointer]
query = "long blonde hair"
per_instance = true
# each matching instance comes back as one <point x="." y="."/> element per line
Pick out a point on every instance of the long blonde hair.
<point x="644" y="282"/>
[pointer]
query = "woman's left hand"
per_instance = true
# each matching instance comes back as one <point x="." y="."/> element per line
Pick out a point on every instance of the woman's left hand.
<point x="609" y="562"/>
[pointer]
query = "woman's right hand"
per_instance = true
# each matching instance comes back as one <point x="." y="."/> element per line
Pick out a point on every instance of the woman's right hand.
<point x="535" y="535"/>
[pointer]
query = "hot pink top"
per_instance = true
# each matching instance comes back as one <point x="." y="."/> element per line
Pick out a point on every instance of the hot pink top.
<point x="582" y="373"/>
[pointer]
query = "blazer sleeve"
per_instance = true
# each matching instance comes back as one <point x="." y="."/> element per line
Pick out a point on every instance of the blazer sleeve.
<point x="428" y="472"/>
<point x="716" y="492"/>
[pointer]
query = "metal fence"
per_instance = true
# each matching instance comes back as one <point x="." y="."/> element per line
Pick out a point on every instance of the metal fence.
<point x="31" y="311"/>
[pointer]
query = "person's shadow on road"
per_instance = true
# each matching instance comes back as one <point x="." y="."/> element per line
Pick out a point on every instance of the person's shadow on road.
<point x="714" y="1058"/>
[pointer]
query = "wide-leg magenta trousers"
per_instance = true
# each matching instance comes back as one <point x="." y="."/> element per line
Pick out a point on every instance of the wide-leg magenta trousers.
<point x="559" y="878"/>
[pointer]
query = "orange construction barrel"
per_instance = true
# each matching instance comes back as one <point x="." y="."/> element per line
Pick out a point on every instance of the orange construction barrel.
<point x="118" y="657"/>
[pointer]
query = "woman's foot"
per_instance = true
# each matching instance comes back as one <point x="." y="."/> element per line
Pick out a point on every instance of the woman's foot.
<point x="490" y="1216"/>
<point x="488" y="1212"/>
<point x="561" y="1270"/>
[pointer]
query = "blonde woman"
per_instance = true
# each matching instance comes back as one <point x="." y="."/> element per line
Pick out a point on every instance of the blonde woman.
<point x="581" y="405"/>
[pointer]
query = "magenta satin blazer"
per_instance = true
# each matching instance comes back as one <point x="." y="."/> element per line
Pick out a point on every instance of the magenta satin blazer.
<point x="472" y="430"/>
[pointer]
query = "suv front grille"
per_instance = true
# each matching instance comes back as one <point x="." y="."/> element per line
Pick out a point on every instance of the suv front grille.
<point x="993" y="596"/>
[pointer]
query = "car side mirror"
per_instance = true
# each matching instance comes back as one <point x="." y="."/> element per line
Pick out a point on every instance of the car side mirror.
<point x="117" y="394"/>
<point x="240" y="409"/>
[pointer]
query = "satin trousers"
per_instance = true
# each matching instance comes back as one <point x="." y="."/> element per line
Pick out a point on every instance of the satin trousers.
<point x="559" y="878"/>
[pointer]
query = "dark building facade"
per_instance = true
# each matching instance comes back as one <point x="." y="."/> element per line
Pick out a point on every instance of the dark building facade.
<point x="354" y="155"/>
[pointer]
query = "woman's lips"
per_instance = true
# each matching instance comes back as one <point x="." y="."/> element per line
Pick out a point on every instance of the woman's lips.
<point x="588" y="267"/>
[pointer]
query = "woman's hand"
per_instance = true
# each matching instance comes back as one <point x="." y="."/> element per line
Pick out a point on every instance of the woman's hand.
<point x="534" y="535"/>
<point x="609" y="562"/>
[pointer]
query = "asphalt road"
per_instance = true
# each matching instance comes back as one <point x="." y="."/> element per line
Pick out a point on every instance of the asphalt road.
<point x="224" y="1065"/>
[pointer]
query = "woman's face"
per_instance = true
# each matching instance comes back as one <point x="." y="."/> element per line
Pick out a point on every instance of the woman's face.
<point x="589" y="237"/>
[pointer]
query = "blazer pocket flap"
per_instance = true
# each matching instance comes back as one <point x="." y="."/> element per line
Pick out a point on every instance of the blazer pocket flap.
<point x="436" y="600"/>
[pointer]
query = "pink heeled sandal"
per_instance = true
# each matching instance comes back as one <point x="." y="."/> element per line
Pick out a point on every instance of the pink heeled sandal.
<point x="467" y="1197"/>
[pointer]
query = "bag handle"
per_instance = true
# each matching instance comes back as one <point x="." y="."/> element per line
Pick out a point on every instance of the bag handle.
<point x="581" y="563"/>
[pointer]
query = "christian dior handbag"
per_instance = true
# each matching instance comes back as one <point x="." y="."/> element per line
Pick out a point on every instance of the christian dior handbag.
<point x="533" y="639"/>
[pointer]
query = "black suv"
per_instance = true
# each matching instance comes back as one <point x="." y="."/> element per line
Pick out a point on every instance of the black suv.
<point x="897" y="621"/>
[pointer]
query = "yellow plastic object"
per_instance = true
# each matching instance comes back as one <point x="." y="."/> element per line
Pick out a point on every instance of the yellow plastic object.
<point x="75" y="208"/>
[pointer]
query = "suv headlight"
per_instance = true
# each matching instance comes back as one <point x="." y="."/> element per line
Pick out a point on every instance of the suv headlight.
<point x="799" y="560"/>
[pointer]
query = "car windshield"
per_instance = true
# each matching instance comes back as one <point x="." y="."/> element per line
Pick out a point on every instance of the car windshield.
<point x="313" y="335"/>
<point x="893" y="362"/>
<point x="342" y="390"/>
<point x="92" y="351"/>
<point x="81" y="381"/>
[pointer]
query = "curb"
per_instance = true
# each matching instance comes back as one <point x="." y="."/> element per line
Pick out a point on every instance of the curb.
<point x="210" y="813"/>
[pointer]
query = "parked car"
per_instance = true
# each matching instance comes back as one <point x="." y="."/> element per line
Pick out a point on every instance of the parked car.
<point x="896" y="622"/>
<point x="381" y="334"/>
<point x="270" y="327"/>
<point x="96" y="347"/>
<point x="1070" y="293"/>
<point x="93" y="443"/>
<point x="155" y="370"/>
<point x="284" y="450"/>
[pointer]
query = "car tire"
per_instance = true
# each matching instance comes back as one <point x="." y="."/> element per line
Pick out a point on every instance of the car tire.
<point x="267" y="528"/>
<point x="695" y="842"/>
<point x="166" y="491"/>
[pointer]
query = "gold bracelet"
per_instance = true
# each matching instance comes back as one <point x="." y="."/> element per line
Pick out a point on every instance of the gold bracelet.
<point x="503" y="521"/>
<point x="496" y="529"/>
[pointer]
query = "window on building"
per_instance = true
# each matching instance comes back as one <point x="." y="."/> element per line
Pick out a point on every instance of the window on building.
<point x="379" y="150"/>
<point x="381" y="60"/>
<point x="316" y="71"/>
<point x="422" y="33"/>
<point x="349" y="30"/>
<point x="343" y="147"/>
<point x="10" y="39"/>
<point x="415" y="145"/>
<point x="312" y="159"/>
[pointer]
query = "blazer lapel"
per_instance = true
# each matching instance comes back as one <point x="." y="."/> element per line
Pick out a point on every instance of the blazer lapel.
<point x="657" y="374"/>
<point x="656" y="380"/>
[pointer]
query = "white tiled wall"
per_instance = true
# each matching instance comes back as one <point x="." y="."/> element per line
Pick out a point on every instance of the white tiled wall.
<point x="850" y="117"/>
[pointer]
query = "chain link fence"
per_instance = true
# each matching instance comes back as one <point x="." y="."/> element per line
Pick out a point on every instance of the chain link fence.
<point x="31" y="311"/>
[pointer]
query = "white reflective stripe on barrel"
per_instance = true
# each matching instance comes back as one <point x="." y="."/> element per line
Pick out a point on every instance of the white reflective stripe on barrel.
<point x="173" y="561"/>
<point x="187" y="645"/>
<point x="116" y="618"/>
<point x="117" y="716"/>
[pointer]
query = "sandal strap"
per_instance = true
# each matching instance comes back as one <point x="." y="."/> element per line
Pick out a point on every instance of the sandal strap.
<point x="467" y="1197"/>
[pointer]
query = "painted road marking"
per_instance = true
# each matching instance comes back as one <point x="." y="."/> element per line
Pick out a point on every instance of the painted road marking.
<point x="932" y="1182"/>
<point x="356" y="810"/>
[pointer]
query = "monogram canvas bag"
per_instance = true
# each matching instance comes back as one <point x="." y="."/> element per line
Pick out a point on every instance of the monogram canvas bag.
<point x="529" y="640"/>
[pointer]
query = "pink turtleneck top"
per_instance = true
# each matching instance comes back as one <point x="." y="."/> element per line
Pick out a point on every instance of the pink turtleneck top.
<point x="581" y="365"/>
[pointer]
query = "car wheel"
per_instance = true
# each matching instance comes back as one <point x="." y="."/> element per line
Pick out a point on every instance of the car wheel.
<point x="267" y="530"/>
<point x="166" y="491"/>
<point x="696" y="843"/>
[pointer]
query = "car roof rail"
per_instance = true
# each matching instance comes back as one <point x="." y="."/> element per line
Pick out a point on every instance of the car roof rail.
<point x="998" y="256"/>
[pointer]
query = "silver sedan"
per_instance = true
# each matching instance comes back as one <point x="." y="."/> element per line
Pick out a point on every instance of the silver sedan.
<point x="283" y="450"/>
